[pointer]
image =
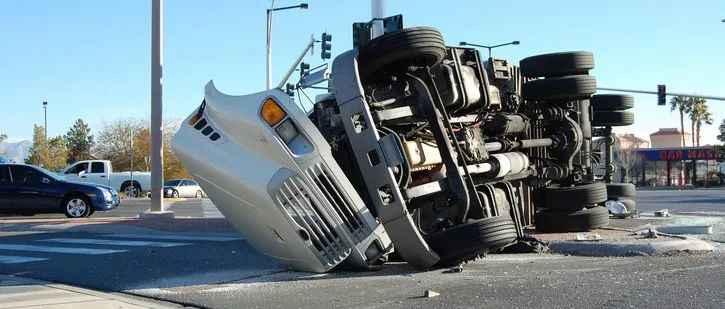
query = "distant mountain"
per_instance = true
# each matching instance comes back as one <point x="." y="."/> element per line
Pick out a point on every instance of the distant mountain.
<point x="15" y="152"/>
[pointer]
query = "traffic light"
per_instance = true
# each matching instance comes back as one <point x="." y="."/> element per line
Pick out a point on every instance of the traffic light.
<point x="304" y="69"/>
<point x="290" y="89"/>
<point x="326" y="46"/>
<point x="661" y="95"/>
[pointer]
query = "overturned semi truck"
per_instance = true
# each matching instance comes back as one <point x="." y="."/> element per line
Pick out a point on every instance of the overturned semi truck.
<point x="418" y="147"/>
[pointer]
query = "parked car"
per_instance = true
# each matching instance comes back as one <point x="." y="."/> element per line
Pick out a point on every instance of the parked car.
<point x="101" y="172"/>
<point x="182" y="188"/>
<point x="27" y="189"/>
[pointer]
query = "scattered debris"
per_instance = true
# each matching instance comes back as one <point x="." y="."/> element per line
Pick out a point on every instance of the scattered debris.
<point x="651" y="233"/>
<point x="662" y="213"/>
<point x="453" y="270"/>
<point x="431" y="293"/>
<point x="588" y="237"/>
<point x="527" y="244"/>
<point x="617" y="209"/>
<point x="686" y="229"/>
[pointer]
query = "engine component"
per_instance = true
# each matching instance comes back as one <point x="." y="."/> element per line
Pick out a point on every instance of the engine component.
<point x="505" y="124"/>
<point x="474" y="146"/>
<point x="422" y="154"/>
<point x="510" y="163"/>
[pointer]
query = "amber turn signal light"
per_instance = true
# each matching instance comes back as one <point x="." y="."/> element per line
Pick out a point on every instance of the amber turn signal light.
<point x="271" y="112"/>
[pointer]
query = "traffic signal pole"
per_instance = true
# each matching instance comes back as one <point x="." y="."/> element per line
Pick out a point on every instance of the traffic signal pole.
<point x="709" y="97"/>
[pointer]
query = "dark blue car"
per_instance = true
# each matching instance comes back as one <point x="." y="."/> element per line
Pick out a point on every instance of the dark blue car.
<point x="27" y="189"/>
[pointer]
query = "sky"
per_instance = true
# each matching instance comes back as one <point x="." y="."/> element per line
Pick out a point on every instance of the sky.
<point x="91" y="59"/>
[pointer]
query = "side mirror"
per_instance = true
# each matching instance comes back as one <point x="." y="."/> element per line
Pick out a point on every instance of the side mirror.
<point x="45" y="180"/>
<point x="81" y="173"/>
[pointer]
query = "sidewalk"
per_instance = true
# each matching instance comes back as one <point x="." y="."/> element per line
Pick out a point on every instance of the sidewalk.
<point x="620" y="239"/>
<point x="19" y="292"/>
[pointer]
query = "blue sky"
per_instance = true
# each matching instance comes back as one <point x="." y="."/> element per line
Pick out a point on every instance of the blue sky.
<point x="90" y="59"/>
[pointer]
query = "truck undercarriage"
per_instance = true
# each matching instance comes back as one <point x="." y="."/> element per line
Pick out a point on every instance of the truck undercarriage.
<point x="419" y="147"/>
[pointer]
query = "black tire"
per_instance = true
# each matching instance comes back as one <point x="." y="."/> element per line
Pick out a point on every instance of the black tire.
<point x="175" y="194"/>
<point x="612" y="118"/>
<point x="572" y="87"/>
<point x="575" y="197"/>
<point x="611" y="102"/>
<point x="199" y="194"/>
<point x="72" y="209"/>
<point x="468" y="241"/>
<point x="578" y="221"/>
<point x="557" y="64"/>
<point x="616" y="190"/>
<point x="131" y="189"/>
<point x="422" y="46"/>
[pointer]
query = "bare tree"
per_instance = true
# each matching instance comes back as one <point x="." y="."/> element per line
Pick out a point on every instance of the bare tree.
<point x="626" y="156"/>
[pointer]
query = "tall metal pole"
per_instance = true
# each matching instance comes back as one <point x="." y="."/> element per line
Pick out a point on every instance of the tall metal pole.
<point x="377" y="10"/>
<point x="45" y="130"/>
<point x="269" y="46"/>
<point x="45" y="120"/>
<point x="157" y="167"/>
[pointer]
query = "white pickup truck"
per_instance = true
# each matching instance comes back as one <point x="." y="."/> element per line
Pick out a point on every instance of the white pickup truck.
<point x="101" y="172"/>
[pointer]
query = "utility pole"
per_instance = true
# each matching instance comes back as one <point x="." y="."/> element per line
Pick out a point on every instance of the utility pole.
<point x="45" y="120"/>
<point x="377" y="10"/>
<point x="45" y="130"/>
<point x="269" y="36"/>
<point x="157" y="156"/>
<point x="130" y="154"/>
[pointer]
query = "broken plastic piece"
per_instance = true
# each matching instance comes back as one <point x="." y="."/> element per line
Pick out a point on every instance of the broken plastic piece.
<point x="662" y="213"/>
<point x="431" y="293"/>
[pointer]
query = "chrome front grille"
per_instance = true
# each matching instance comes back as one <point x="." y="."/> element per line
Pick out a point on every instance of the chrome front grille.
<point x="345" y="211"/>
<point x="294" y="197"/>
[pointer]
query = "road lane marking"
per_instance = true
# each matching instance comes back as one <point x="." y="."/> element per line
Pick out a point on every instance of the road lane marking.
<point x="175" y="237"/>
<point x="113" y="242"/>
<point x="66" y="250"/>
<point x="8" y="259"/>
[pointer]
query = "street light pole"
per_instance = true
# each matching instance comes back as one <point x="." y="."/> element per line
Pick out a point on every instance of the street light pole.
<point x="157" y="167"/>
<point x="489" y="47"/>
<point x="45" y="120"/>
<point x="269" y="37"/>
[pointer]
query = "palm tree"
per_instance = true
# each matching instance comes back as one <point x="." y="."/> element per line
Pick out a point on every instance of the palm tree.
<point x="681" y="104"/>
<point x="699" y="113"/>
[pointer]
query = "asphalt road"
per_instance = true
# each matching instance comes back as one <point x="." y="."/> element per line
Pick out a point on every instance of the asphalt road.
<point x="702" y="201"/>
<point x="129" y="208"/>
<point x="194" y="267"/>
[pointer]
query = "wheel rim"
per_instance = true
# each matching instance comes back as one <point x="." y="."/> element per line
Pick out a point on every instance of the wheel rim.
<point x="130" y="191"/>
<point x="175" y="194"/>
<point x="76" y="207"/>
<point x="198" y="194"/>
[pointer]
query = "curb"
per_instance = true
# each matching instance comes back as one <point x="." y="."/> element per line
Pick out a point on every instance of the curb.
<point x="23" y="292"/>
<point x="653" y="248"/>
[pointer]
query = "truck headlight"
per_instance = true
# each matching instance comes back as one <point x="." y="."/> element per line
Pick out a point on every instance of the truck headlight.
<point x="107" y="195"/>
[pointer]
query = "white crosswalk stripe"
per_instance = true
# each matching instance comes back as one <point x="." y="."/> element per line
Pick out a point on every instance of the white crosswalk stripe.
<point x="115" y="242"/>
<point x="175" y="237"/>
<point x="9" y="259"/>
<point x="105" y="244"/>
<point x="51" y="249"/>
